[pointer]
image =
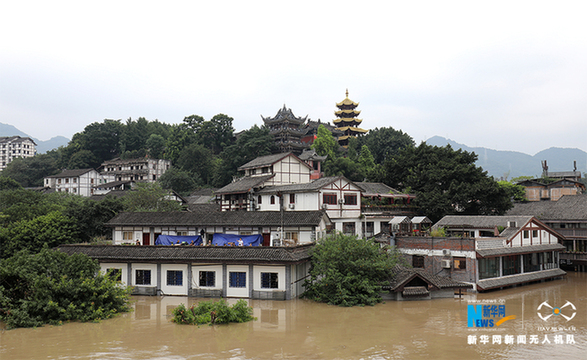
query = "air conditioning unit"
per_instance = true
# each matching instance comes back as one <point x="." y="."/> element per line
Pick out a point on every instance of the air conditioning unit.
<point x="341" y="201"/>
<point x="292" y="206"/>
<point x="446" y="264"/>
<point x="324" y="206"/>
<point x="446" y="252"/>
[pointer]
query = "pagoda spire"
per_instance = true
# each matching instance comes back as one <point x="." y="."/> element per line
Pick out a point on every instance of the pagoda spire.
<point x="347" y="121"/>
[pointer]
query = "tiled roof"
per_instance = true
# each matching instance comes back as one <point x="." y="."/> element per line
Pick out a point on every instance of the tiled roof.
<point x="400" y="276"/>
<point x="568" y="207"/>
<point x="222" y="218"/>
<point x="481" y="221"/>
<point x="15" y="139"/>
<point x="519" y="250"/>
<point x="415" y="291"/>
<point x="264" y="161"/>
<point x="71" y="173"/>
<point x="509" y="280"/>
<point x="369" y="188"/>
<point x="193" y="254"/>
<point x="315" y="185"/>
<point x="244" y="184"/>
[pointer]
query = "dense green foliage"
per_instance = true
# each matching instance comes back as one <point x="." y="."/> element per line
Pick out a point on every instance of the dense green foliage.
<point x="349" y="271"/>
<point x="515" y="192"/>
<point x="213" y="312"/>
<point x="446" y="182"/>
<point x="150" y="197"/>
<point x="51" y="287"/>
<point x="30" y="220"/>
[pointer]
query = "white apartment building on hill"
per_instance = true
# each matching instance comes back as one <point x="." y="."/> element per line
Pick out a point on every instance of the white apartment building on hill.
<point x="12" y="147"/>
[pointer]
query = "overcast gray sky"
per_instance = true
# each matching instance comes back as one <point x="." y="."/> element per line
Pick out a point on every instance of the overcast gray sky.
<point x="507" y="75"/>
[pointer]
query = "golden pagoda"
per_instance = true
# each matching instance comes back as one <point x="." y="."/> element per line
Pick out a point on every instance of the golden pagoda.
<point x="347" y="121"/>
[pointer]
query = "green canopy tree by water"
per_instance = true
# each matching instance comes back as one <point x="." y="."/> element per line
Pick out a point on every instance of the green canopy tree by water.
<point x="349" y="271"/>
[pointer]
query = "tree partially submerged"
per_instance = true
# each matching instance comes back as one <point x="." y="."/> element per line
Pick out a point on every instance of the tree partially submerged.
<point x="349" y="271"/>
<point x="52" y="287"/>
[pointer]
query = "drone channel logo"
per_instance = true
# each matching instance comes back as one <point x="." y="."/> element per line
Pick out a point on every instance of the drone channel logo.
<point x="556" y="311"/>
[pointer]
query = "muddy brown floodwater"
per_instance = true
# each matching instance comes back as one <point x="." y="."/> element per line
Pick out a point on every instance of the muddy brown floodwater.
<point x="302" y="329"/>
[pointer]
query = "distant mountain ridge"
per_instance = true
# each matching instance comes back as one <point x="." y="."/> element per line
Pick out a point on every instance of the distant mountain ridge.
<point x="42" y="146"/>
<point x="511" y="164"/>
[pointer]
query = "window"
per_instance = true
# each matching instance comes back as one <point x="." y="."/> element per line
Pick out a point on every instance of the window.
<point x="174" y="277"/>
<point x="350" y="199"/>
<point x="329" y="199"/>
<point x="237" y="279"/>
<point x="182" y="233"/>
<point x="75" y="180"/>
<point x="143" y="277"/>
<point x="259" y="199"/>
<point x="292" y="198"/>
<point x="511" y="265"/>
<point x="59" y="181"/>
<point x="488" y="268"/>
<point x="207" y="278"/>
<point x="291" y="235"/>
<point x="348" y="228"/>
<point x="91" y="181"/>
<point x="526" y="234"/>
<point x="460" y="263"/>
<point x="272" y="200"/>
<point x="269" y="281"/>
<point x="534" y="233"/>
<point x="114" y="274"/>
<point x="127" y="235"/>
<point x="67" y="181"/>
<point x="418" y="261"/>
<point x="265" y="170"/>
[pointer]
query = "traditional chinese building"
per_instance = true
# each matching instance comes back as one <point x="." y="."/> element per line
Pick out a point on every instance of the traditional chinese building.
<point x="288" y="130"/>
<point x="347" y="121"/>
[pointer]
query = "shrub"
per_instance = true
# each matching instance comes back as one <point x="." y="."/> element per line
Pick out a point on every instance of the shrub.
<point x="210" y="312"/>
<point x="52" y="287"/>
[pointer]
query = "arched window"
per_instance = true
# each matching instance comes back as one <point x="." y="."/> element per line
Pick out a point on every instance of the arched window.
<point x="272" y="200"/>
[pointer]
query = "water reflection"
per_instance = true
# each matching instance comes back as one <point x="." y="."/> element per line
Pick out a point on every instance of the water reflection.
<point x="304" y="329"/>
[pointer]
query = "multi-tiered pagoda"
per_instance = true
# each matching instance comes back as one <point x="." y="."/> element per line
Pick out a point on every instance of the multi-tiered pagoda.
<point x="287" y="129"/>
<point x="347" y="121"/>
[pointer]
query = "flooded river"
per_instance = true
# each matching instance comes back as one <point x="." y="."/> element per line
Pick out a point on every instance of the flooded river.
<point x="302" y="329"/>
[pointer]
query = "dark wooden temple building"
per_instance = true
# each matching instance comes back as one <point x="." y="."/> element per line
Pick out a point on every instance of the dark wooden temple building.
<point x="287" y="130"/>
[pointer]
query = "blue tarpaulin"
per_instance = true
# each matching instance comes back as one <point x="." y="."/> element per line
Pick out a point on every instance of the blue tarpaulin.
<point x="233" y="240"/>
<point x="173" y="240"/>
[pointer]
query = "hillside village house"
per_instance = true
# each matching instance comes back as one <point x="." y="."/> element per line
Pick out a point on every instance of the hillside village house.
<point x="568" y="217"/>
<point x="539" y="191"/>
<point x="490" y="252"/>
<point x="12" y="147"/>
<point x="142" y="169"/>
<point x="284" y="182"/>
<point x="78" y="182"/>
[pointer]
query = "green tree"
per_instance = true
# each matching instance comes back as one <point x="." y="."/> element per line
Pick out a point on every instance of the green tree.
<point x="29" y="172"/>
<point x="150" y="197"/>
<point x="180" y="136"/>
<point x="7" y="183"/>
<point x="250" y="144"/>
<point x="102" y="139"/>
<point x="446" y="182"/>
<point x="179" y="180"/>
<point x="83" y="159"/>
<point x="216" y="134"/>
<point x="51" y="288"/>
<point x="325" y="143"/>
<point x="155" y="146"/>
<point x="385" y="143"/>
<point x="348" y="271"/>
<point x="198" y="161"/>
<point x="49" y="230"/>
<point x="514" y="191"/>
